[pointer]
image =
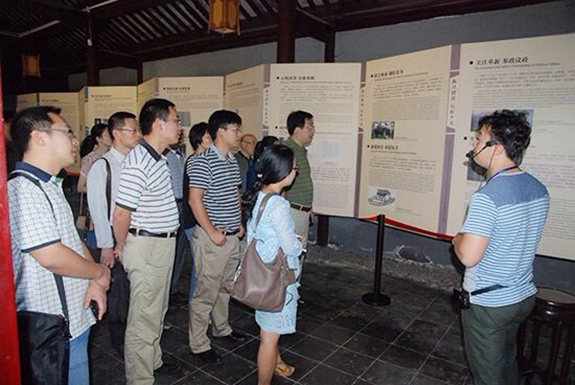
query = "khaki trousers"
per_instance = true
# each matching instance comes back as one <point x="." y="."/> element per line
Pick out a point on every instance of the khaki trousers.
<point x="149" y="262"/>
<point x="215" y="267"/>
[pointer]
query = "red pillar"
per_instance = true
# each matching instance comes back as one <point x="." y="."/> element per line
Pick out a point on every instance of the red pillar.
<point x="9" y="363"/>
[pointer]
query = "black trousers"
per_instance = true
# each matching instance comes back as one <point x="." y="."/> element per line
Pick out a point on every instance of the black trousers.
<point x="116" y="325"/>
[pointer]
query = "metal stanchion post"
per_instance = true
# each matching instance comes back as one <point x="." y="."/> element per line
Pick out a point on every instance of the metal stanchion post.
<point x="376" y="298"/>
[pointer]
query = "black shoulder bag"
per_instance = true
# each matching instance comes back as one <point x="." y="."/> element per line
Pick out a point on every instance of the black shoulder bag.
<point x="44" y="339"/>
<point x="119" y="292"/>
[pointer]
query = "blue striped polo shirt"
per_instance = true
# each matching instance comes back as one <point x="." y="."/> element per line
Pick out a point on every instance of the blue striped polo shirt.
<point x="510" y="210"/>
<point x="219" y="178"/>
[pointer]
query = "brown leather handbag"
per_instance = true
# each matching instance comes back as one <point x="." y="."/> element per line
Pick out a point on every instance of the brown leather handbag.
<point x="259" y="285"/>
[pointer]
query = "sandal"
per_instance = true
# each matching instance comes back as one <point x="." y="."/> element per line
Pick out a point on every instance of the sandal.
<point x="284" y="372"/>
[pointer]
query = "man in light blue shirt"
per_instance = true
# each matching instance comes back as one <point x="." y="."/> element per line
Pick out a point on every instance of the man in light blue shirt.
<point x="497" y="245"/>
<point x="102" y="188"/>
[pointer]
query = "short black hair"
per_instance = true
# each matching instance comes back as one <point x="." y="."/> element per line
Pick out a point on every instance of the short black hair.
<point x="266" y="141"/>
<point x="117" y="120"/>
<point x="196" y="134"/>
<point x="152" y="110"/>
<point x="297" y="119"/>
<point x="511" y="129"/>
<point x="221" y="119"/>
<point x="28" y="120"/>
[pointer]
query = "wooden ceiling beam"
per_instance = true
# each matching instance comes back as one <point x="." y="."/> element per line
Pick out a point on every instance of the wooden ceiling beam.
<point x="129" y="31"/>
<point x="138" y="27"/>
<point x="313" y="25"/>
<point x="178" y="20"/>
<point x="126" y="7"/>
<point x="195" y="15"/>
<point x="210" y="43"/>
<point x="245" y="13"/>
<point x="268" y="7"/>
<point x="137" y="19"/>
<point x="354" y="16"/>
<point x="311" y="4"/>
<point x="150" y="19"/>
<point x="256" y="9"/>
<point x="52" y="9"/>
<point x="201" y="9"/>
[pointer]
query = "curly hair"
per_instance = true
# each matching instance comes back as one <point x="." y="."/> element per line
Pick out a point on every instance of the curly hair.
<point x="510" y="129"/>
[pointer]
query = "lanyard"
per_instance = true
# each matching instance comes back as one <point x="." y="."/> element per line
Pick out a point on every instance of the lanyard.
<point x="503" y="169"/>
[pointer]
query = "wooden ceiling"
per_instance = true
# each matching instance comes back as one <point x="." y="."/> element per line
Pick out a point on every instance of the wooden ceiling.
<point x="130" y="32"/>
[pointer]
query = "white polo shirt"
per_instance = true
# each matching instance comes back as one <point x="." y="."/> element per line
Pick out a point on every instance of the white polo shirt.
<point x="33" y="225"/>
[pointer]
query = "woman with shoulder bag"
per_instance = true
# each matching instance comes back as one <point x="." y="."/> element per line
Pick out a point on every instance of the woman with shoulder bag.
<point x="275" y="170"/>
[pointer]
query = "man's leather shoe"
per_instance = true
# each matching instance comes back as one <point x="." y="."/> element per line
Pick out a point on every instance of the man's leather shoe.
<point x="209" y="356"/>
<point x="235" y="337"/>
<point x="167" y="367"/>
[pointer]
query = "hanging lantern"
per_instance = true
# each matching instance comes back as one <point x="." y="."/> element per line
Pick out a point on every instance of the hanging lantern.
<point x="31" y="65"/>
<point x="224" y="16"/>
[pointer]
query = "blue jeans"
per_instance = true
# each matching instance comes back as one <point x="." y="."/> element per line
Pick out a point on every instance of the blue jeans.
<point x="190" y="234"/>
<point x="78" y="370"/>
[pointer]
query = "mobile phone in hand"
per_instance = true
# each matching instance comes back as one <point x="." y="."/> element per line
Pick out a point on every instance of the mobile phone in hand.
<point x="95" y="309"/>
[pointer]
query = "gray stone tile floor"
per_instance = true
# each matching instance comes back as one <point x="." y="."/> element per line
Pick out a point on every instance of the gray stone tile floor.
<point x="417" y="339"/>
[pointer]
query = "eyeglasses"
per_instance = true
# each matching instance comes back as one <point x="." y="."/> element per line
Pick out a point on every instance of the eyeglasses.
<point x="178" y="121"/>
<point x="132" y="130"/>
<point x="66" y="130"/>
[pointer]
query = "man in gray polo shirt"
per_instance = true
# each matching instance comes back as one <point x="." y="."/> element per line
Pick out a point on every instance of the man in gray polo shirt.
<point x="145" y="226"/>
<point x="215" y="202"/>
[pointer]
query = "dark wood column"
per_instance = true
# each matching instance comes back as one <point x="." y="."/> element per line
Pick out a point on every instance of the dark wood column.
<point x="329" y="48"/>
<point x="92" y="62"/>
<point x="140" y="71"/>
<point x="286" y="31"/>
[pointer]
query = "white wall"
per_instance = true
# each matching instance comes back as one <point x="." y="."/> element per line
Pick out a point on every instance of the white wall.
<point x="117" y="76"/>
<point x="361" y="45"/>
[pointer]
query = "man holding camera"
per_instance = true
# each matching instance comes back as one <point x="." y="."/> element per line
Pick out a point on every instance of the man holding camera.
<point x="497" y="245"/>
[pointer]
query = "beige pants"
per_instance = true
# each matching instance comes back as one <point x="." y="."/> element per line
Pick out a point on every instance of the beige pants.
<point x="148" y="262"/>
<point x="215" y="267"/>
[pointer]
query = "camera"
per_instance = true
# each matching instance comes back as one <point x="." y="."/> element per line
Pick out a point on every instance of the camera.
<point x="460" y="298"/>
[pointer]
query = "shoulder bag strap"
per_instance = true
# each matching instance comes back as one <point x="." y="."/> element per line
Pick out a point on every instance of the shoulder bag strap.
<point x="261" y="209"/>
<point x="108" y="184"/>
<point x="58" y="278"/>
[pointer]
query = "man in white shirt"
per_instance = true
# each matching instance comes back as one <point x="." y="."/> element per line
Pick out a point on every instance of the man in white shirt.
<point x="102" y="186"/>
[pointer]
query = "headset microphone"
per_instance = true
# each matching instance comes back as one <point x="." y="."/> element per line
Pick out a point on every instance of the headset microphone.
<point x="471" y="155"/>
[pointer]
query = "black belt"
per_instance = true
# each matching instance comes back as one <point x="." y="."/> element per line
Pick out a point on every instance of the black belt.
<point x="145" y="233"/>
<point x="300" y="207"/>
<point x="226" y="233"/>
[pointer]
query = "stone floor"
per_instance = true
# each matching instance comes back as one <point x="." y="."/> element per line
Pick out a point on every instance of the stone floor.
<point x="415" y="340"/>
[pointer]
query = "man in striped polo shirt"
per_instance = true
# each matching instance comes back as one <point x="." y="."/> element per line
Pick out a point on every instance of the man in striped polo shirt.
<point x="215" y="201"/>
<point x="497" y="245"/>
<point x="145" y="225"/>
